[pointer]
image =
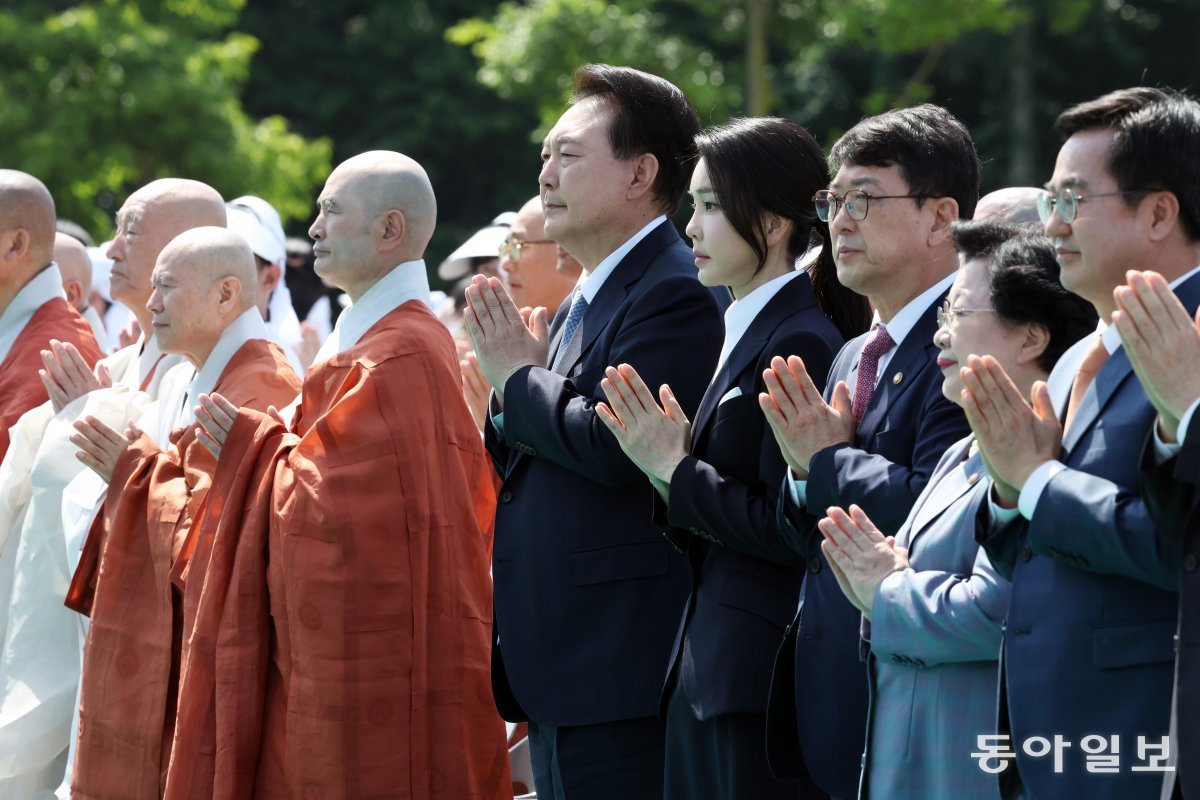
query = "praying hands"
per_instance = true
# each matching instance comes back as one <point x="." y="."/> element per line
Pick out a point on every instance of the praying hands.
<point x="859" y="554"/>
<point x="803" y="423"/>
<point x="67" y="377"/>
<point x="655" y="439"/>
<point x="100" y="446"/>
<point x="504" y="341"/>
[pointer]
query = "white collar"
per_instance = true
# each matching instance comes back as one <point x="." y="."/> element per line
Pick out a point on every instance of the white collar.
<point x="41" y="289"/>
<point x="590" y="282"/>
<point x="906" y="318"/>
<point x="406" y="281"/>
<point x="741" y="313"/>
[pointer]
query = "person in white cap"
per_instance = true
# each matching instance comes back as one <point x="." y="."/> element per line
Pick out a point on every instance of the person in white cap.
<point x="257" y="221"/>
<point x="479" y="255"/>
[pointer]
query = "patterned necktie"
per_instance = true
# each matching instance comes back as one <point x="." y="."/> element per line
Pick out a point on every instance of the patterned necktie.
<point x="1093" y="361"/>
<point x="579" y="305"/>
<point x="879" y="343"/>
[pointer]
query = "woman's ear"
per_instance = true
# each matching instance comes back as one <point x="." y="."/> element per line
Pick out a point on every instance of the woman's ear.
<point x="1037" y="339"/>
<point x="776" y="228"/>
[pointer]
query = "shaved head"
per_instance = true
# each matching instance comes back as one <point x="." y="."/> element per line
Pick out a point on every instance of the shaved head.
<point x="149" y="219"/>
<point x="26" y="230"/>
<point x="1015" y="205"/>
<point x="75" y="266"/>
<point x="205" y="278"/>
<point x="377" y="210"/>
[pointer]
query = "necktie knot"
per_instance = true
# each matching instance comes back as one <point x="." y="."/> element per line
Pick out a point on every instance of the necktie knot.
<point x="878" y="343"/>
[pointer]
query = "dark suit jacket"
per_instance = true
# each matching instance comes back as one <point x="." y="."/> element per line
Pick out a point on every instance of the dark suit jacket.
<point x="587" y="591"/>
<point x="721" y="511"/>
<point x="816" y="718"/>
<point x="1172" y="492"/>
<point x="1089" y="639"/>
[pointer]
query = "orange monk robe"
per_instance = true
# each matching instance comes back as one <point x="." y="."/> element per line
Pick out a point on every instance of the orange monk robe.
<point x="20" y="387"/>
<point x="130" y="661"/>
<point x="353" y="661"/>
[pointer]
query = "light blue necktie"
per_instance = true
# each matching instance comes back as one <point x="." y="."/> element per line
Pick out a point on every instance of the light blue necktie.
<point x="579" y="305"/>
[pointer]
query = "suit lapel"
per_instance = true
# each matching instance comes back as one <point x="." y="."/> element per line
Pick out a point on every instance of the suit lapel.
<point x="792" y="298"/>
<point x="955" y="480"/>
<point x="601" y="310"/>
<point x="912" y="355"/>
<point x="1110" y="378"/>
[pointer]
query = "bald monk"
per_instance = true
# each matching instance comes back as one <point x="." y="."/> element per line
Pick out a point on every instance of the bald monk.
<point x="75" y="267"/>
<point x="371" y="610"/>
<point x="203" y="307"/>
<point x="1016" y="205"/>
<point x="48" y="500"/>
<point x="33" y="308"/>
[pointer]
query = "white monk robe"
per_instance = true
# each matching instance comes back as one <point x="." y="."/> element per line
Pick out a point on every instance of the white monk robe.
<point x="41" y="639"/>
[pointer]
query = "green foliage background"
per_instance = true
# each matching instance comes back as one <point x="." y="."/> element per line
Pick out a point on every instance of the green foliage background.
<point x="263" y="96"/>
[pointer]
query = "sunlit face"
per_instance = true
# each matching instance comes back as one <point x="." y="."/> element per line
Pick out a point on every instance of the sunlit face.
<point x="973" y="329"/>
<point x="184" y="305"/>
<point x="1102" y="242"/>
<point x="142" y="233"/>
<point x="582" y="184"/>
<point x="342" y="233"/>
<point x="723" y="258"/>
<point x="877" y="251"/>
<point x="531" y="274"/>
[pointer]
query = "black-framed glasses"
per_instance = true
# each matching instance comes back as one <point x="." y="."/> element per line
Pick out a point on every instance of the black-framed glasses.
<point x="856" y="202"/>
<point x="512" y="248"/>
<point x="947" y="313"/>
<point x="1067" y="202"/>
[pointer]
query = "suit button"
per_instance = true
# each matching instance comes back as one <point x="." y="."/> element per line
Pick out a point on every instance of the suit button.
<point x="814" y="566"/>
<point x="1189" y="562"/>
<point x="1026" y="554"/>
<point x="506" y="496"/>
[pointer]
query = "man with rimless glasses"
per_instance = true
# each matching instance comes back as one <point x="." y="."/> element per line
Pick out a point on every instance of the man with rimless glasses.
<point x="1090" y="638"/>
<point x="874" y="438"/>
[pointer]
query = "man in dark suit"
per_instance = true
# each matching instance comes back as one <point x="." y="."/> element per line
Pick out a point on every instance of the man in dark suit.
<point x="904" y="177"/>
<point x="1088" y="646"/>
<point x="588" y="593"/>
<point x="1163" y="343"/>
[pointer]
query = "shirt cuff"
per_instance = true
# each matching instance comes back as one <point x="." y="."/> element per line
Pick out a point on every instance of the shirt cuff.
<point x="498" y="422"/>
<point x="1184" y="420"/>
<point x="1163" y="451"/>
<point x="798" y="488"/>
<point x="998" y="513"/>
<point x="1031" y="492"/>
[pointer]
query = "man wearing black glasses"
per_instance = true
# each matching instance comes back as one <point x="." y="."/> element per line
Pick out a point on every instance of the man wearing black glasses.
<point x="1090" y="636"/>
<point x="877" y="434"/>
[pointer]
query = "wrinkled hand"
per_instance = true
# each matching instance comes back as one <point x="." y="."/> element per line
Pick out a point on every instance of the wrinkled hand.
<point x="475" y="388"/>
<point x="1014" y="437"/>
<point x="1163" y="344"/>
<point x="216" y="416"/>
<point x="310" y="344"/>
<point x="100" y="446"/>
<point x="129" y="335"/>
<point x="503" y="342"/>
<point x="67" y="377"/>
<point x="655" y="439"/>
<point x="860" y="554"/>
<point x="803" y="423"/>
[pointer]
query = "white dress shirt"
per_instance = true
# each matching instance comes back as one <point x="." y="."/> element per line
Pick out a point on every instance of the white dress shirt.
<point x="742" y="313"/>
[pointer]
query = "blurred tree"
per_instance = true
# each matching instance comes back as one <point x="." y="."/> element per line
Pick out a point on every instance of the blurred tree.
<point x="380" y="75"/>
<point x="101" y="97"/>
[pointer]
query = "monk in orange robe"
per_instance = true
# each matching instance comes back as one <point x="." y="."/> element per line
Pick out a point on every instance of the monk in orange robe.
<point x="353" y="660"/>
<point x="33" y="307"/>
<point x="202" y="306"/>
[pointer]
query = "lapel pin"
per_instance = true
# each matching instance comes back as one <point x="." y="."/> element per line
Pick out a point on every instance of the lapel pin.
<point x="972" y="478"/>
<point x="899" y="376"/>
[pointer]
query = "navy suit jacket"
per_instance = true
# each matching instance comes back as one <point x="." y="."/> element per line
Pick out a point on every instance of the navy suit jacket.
<point x="1172" y="492"/>
<point x="587" y="591"/>
<point x="816" y="717"/>
<point x="721" y="512"/>
<point x="1089" y="639"/>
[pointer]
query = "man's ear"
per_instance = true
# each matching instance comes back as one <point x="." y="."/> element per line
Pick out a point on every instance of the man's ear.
<point x="1163" y="210"/>
<point x="645" y="171"/>
<point x="14" y="244"/>
<point x="74" y="290"/>
<point x="229" y="291"/>
<point x="945" y="212"/>
<point x="268" y="277"/>
<point x="395" y="230"/>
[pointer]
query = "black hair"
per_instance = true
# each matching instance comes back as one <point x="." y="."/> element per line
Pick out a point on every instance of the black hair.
<point x="932" y="148"/>
<point x="1024" y="283"/>
<point x="1156" y="144"/>
<point x="771" y="165"/>
<point x="652" y="116"/>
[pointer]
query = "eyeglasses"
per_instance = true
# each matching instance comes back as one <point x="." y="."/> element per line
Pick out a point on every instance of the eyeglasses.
<point x="856" y="202"/>
<point x="512" y="249"/>
<point x="947" y="314"/>
<point x="1067" y="203"/>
